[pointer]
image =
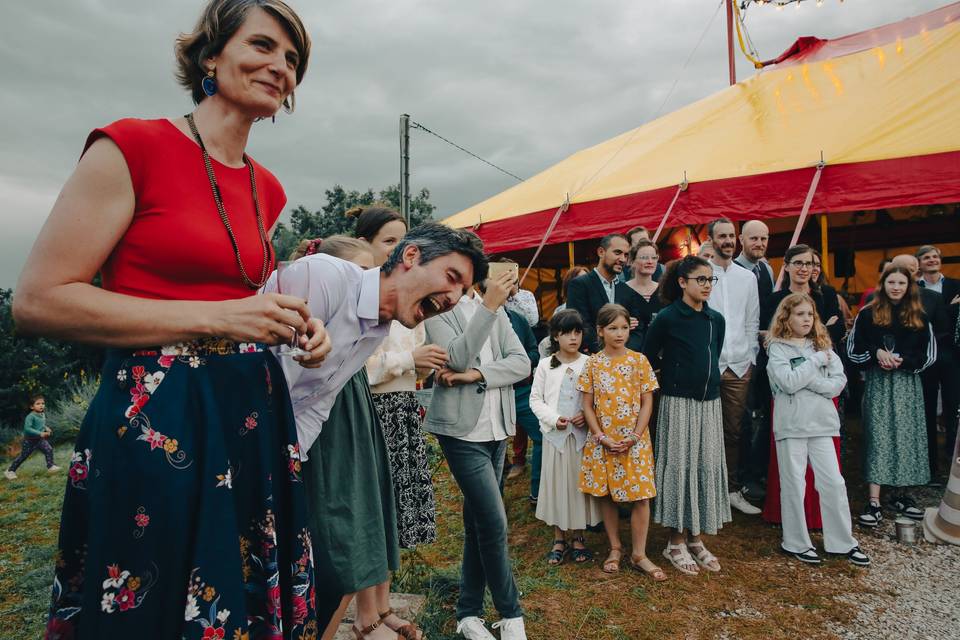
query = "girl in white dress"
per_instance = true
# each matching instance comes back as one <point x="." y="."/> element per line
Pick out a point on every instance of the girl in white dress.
<point x="555" y="401"/>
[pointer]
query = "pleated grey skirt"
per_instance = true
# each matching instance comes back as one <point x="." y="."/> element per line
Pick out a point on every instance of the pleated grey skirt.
<point x="691" y="466"/>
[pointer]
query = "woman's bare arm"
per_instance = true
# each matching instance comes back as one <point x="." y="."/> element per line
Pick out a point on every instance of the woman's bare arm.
<point x="54" y="296"/>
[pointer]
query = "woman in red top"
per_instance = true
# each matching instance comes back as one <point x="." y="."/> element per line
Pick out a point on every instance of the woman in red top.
<point x="184" y="509"/>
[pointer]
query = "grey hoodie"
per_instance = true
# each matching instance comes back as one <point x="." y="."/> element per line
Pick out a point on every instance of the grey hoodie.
<point x="804" y="383"/>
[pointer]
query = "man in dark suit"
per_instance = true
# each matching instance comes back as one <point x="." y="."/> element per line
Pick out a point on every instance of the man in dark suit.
<point x="592" y="290"/>
<point x="948" y="369"/>
<point x="942" y="378"/>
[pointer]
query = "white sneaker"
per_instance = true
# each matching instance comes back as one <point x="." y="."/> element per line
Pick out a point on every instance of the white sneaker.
<point x="738" y="502"/>
<point x="473" y="628"/>
<point x="9" y="475"/>
<point x="511" y="629"/>
<point x="53" y="469"/>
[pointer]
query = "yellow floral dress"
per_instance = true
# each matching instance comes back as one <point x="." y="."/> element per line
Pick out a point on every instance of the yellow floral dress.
<point x="616" y="385"/>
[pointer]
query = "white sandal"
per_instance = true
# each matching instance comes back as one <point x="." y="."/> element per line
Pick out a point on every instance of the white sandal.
<point x="704" y="558"/>
<point x="682" y="560"/>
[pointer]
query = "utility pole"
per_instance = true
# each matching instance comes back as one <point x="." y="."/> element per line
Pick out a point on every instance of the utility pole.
<point x="405" y="167"/>
<point x="730" y="59"/>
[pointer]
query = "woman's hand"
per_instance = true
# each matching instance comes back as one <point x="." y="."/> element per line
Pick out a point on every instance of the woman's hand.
<point x="450" y="378"/>
<point x="316" y="340"/>
<point x="887" y="360"/>
<point x="634" y="323"/>
<point x="430" y="356"/>
<point x="270" y="318"/>
<point x="578" y="420"/>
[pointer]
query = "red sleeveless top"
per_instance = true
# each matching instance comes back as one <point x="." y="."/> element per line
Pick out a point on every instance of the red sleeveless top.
<point x="176" y="247"/>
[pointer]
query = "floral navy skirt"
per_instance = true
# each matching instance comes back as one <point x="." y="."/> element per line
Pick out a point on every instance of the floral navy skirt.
<point x="184" y="515"/>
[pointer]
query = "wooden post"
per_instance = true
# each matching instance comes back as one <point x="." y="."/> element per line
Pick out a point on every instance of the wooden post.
<point x="730" y="60"/>
<point x="824" y="247"/>
<point x="570" y="254"/>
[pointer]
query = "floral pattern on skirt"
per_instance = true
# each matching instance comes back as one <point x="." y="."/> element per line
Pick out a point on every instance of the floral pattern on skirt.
<point x="184" y="509"/>
<point x="399" y="414"/>
<point x="895" y="428"/>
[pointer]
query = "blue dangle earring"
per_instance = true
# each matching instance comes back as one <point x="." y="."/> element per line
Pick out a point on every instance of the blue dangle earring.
<point x="209" y="83"/>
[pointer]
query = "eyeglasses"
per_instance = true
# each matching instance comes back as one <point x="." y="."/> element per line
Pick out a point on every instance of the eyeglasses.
<point x="703" y="280"/>
<point x="653" y="258"/>
<point x="801" y="265"/>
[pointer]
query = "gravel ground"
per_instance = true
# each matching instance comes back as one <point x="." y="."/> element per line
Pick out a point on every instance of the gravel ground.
<point x="915" y="589"/>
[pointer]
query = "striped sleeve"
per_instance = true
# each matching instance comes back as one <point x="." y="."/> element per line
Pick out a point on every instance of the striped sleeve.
<point x="858" y="351"/>
<point x="931" y="350"/>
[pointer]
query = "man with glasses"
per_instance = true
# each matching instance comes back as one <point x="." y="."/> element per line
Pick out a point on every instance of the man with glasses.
<point x="754" y="452"/>
<point x="735" y="296"/>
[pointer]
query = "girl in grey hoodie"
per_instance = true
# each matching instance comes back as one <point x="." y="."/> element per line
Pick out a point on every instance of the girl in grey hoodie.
<point x="805" y="376"/>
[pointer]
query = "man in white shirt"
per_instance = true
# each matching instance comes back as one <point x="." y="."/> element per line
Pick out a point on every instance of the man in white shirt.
<point x="425" y="275"/>
<point x="472" y="413"/>
<point x="735" y="297"/>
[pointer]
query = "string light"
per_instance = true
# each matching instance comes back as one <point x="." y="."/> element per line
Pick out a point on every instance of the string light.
<point x="779" y="4"/>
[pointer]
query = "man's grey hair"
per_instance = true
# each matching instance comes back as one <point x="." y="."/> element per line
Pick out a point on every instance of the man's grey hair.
<point x="925" y="249"/>
<point x="435" y="240"/>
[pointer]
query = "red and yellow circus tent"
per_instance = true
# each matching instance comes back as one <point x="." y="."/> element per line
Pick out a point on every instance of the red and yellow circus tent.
<point x="881" y="108"/>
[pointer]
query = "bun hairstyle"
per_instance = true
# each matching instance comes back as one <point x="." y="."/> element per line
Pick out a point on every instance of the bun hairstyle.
<point x="562" y="322"/>
<point x="670" y="289"/>
<point x="780" y="328"/>
<point x="370" y="219"/>
<point x="608" y="314"/>
<point x="343" y="247"/>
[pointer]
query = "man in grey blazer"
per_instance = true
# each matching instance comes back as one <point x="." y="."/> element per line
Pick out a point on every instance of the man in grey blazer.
<point x="472" y="413"/>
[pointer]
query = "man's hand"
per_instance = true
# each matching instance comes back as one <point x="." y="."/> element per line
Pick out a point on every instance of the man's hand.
<point x="562" y="423"/>
<point x="450" y="378"/>
<point x="316" y="340"/>
<point x="498" y="290"/>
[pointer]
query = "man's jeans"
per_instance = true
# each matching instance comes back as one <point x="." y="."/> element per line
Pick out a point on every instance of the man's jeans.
<point x="477" y="467"/>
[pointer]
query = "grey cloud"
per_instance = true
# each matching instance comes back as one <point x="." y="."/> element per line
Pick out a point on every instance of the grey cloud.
<point x="523" y="84"/>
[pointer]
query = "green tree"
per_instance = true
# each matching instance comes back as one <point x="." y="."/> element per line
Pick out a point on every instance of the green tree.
<point x="35" y="365"/>
<point x="330" y="219"/>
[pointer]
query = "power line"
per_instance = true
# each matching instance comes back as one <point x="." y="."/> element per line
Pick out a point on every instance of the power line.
<point x="466" y="151"/>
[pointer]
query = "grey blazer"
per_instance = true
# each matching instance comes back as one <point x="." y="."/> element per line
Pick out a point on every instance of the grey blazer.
<point x="454" y="411"/>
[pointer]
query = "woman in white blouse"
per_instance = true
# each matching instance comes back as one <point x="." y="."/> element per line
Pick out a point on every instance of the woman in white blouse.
<point x="393" y="370"/>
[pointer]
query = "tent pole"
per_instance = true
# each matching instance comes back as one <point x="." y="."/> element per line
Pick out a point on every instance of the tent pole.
<point x="730" y="60"/>
<point x="824" y="247"/>
<point x="570" y="253"/>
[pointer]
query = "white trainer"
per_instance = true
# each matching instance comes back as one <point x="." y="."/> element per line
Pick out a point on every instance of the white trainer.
<point x="473" y="628"/>
<point x="511" y="629"/>
<point x="9" y="475"/>
<point x="738" y="502"/>
<point x="53" y="469"/>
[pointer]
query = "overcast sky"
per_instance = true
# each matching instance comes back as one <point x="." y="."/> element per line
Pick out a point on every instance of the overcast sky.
<point x="523" y="84"/>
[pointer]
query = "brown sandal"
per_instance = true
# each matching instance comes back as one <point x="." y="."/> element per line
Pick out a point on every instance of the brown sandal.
<point x="409" y="631"/>
<point x="612" y="563"/>
<point x="656" y="573"/>
<point x="362" y="634"/>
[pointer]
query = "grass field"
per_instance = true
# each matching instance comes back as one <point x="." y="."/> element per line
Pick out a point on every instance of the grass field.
<point x="759" y="594"/>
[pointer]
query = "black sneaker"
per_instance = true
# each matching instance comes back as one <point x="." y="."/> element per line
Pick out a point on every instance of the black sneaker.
<point x="905" y="506"/>
<point x="872" y="515"/>
<point x="858" y="557"/>
<point x="809" y="556"/>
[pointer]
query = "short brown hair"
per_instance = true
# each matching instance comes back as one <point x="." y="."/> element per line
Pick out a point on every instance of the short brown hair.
<point x="925" y="249"/>
<point x="637" y="229"/>
<point x="35" y="397"/>
<point x="217" y="24"/>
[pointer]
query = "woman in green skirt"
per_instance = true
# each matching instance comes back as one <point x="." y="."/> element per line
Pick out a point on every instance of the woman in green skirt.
<point x="893" y="340"/>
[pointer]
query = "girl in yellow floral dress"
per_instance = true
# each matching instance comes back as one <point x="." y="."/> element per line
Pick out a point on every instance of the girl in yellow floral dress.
<point x="617" y="464"/>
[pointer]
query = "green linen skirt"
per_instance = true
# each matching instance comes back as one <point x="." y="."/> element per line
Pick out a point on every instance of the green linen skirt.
<point x="352" y="515"/>
<point x="895" y="429"/>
